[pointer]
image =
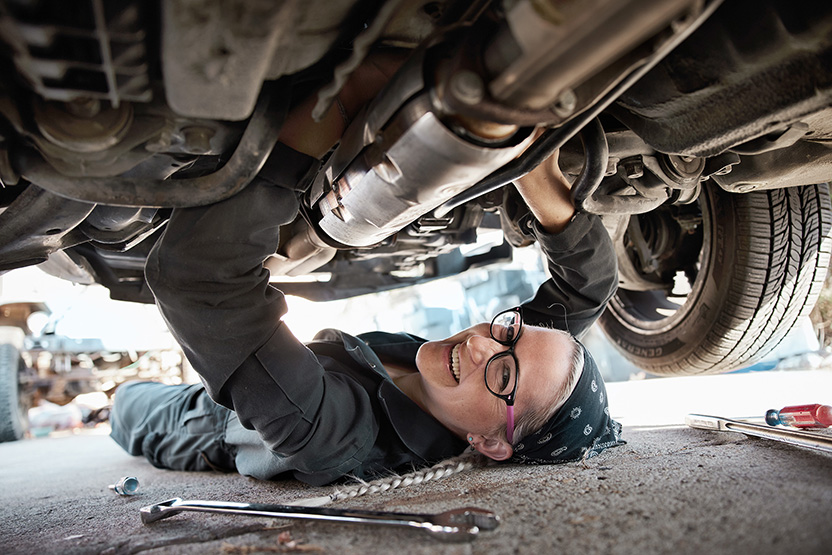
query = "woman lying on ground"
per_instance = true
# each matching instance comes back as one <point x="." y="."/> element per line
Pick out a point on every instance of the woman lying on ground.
<point x="521" y="388"/>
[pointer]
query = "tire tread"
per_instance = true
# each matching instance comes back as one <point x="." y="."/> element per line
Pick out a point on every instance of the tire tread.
<point x="782" y="251"/>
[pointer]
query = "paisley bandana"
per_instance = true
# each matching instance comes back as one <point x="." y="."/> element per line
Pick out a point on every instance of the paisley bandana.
<point x="580" y="429"/>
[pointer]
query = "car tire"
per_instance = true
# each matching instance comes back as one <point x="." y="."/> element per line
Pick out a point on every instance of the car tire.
<point x="13" y="419"/>
<point x="761" y="266"/>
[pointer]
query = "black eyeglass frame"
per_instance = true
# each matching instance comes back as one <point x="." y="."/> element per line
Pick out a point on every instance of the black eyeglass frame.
<point x="509" y="398"/>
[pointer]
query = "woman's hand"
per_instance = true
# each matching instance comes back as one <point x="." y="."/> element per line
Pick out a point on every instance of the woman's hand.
<point x="547" y="194"/>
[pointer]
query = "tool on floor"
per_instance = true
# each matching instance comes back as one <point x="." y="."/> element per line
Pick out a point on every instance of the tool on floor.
<point x="794" y="437"/>
<point x="801" y="416"/>
<point x="454" y="525"/>
<point x="129" y="485"/>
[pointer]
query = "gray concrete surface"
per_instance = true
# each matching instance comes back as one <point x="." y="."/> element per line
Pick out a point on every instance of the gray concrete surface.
<point x="669" y="490"/>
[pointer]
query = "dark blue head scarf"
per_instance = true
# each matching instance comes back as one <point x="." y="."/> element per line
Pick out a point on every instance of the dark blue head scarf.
<point x="580" y="429"/>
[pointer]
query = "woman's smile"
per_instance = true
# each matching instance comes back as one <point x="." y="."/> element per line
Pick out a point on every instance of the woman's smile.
<point x="453" y="362"/>
<point x="441" y="385"/>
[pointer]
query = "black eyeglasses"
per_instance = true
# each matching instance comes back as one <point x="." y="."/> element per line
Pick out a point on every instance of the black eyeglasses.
<point x="502" y="370"/>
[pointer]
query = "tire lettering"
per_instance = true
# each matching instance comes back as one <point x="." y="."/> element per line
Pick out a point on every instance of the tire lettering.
<point x="666" y="349"/>
<point x="645" y="352"/>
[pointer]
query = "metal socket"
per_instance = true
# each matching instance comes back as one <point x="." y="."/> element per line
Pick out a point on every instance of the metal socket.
<point x="129" y="485"/>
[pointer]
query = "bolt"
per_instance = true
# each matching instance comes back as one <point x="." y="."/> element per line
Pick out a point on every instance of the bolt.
<point x="84" y="107"/>
<point x="467" y="87"/>
<point x="198" y="139"/>
<point x="633" y="169"/>
<point x="724" y="171"/>
<point x="566" y="103"/>
<point x="160" y="143"/>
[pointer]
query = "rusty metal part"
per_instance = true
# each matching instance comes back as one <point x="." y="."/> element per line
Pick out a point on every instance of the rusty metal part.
<point x="571" y="41"/>
<point x="254" y="148"/>
<point x="552" y="139"/>
<point x="454" y="525"/>
<point x="66" y="125"/>
<point x="360" y="49"/>
<point x="302" y="253"/>
<point x="25" y="240"/>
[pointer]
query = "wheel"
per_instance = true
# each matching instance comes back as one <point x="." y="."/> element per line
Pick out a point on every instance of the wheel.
<point x="13" y="419"/>
<point x="714" y="286"/>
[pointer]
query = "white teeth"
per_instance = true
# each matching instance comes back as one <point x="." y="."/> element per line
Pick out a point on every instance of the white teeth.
<point x="455" y="361"/>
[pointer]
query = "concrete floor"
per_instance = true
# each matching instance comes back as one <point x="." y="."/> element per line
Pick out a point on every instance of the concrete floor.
<point x="671" y="489"/>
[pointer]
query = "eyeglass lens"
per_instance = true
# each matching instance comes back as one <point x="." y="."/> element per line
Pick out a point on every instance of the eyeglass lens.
<point x="501" y="374"/>
<point x="501" y="371"/>
<point x="506" y="327"/>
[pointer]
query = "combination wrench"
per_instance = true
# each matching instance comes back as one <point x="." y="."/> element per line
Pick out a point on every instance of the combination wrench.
<point x="800" y="438"/>
<point x="454" y="525"/>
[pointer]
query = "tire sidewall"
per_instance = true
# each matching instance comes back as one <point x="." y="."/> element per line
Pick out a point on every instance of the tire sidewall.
<point x="698" y="316"/>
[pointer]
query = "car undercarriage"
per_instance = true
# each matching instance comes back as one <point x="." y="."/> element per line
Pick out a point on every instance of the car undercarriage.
<point x="699" y="131"/>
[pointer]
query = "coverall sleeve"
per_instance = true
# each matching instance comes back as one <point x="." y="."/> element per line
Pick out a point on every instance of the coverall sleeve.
<point x="584" y="276"/>
<point x="207" y="275"/>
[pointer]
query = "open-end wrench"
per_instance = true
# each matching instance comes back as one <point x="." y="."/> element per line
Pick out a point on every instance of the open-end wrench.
<point x="454" y="525"/>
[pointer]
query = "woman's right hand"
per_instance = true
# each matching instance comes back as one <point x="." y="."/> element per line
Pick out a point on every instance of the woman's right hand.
<point x="548" y="195"/>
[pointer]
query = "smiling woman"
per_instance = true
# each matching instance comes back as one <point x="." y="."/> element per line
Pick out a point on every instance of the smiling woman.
<point x="462" y="379"/>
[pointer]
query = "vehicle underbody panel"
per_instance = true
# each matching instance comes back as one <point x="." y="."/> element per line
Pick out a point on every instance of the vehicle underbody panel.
<point x="113" y="113"/>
